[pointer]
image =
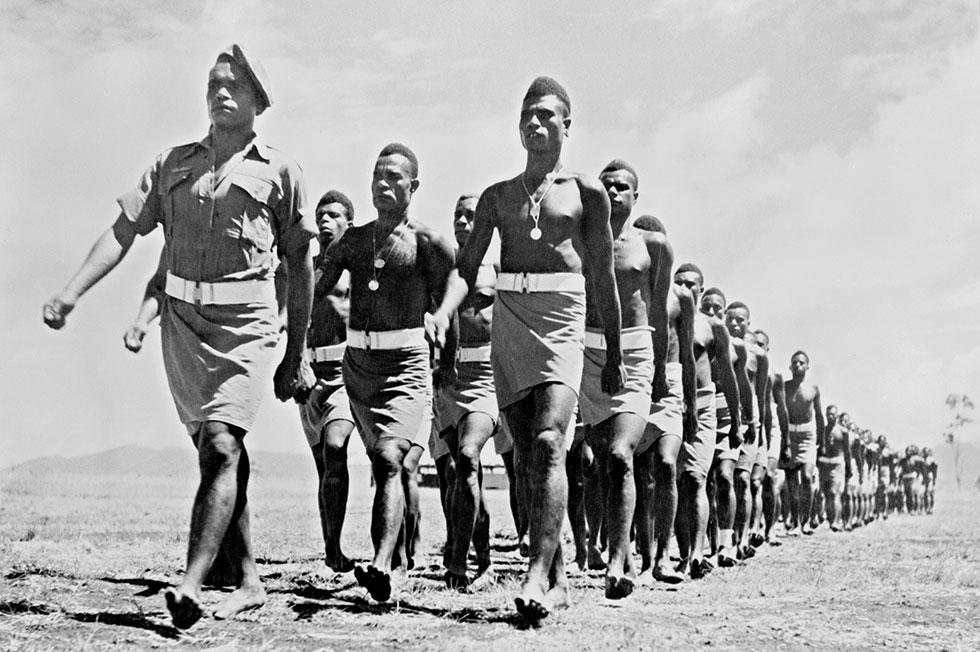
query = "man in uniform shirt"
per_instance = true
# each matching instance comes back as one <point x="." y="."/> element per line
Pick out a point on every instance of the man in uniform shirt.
<point x="225" y="204"/>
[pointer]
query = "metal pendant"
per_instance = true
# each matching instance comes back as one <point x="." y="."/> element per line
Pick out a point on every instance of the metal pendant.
<point x="379" y="263"/>
<point x="534" y="211"/>
<point x="535" y="233"/>
<point x="373" y="285"/>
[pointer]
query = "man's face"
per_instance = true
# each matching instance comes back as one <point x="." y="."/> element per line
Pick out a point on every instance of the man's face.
<point x="392" y="184"/>
<point x="543" y="124"/>
<point x="713" y="305"/>
<point x="332" y="220"/>
<point x="798" y="365"/>
<point x="232" y="103"/>
<point x="737" y="321"/>
<point x="621" y="188"/>
<point x="690" y="280"/>
<point x="762" y="340"/>
<point x="832" y="413"/>
<point x="463" y="219"/>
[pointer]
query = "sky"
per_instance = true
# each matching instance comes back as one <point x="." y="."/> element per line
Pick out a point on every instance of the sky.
<point x="819" y="161"/>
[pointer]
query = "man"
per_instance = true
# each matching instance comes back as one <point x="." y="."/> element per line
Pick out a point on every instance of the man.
<point x="398" y="268"/>
<point x="806" y="422"/>
<point x="930" y="468"/>
<point x="748" y="485"/>
<point x="225" y="204"/>
<point x="615" y="423"/>
<point x="326" y="416"/>
<point x="886" y="472"/>
<point x="774" y="424"/>
<point x="466" y="415"/>
<point x="834" y="464"/>
<point x="553" y="226"/>
<point x="856" y="485"/>
<point x="728" y="450"/>
<point x="712" y="354"/>
<point x="909" y="469"/>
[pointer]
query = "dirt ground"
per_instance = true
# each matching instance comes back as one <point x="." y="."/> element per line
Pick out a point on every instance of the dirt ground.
<point x="85" y="560"/>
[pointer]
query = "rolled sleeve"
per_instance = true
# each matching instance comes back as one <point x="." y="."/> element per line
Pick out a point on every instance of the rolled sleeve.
<point x="141" y="205"/>
<point x="295" y="221"/>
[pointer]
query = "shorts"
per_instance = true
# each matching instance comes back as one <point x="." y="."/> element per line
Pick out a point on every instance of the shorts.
<point x="328" y="402"/>
<point x="667" y="414"/>
<point x="695" y="456"/>
<point x="723" y="451"/>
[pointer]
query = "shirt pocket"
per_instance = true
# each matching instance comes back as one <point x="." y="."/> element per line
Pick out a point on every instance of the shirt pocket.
<point x="173" y="187"/>
<point x="260" y="195"/>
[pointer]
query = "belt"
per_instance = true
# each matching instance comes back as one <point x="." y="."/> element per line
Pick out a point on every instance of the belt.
<point x="637" y="337"/>
<point x="527" y="282"/>
<point x="332" y="353"/>
<point x="473" y="354"/>
<point x="809" y="427"/>
<point x="386" y="340"/>
<point x="227" y="293"/>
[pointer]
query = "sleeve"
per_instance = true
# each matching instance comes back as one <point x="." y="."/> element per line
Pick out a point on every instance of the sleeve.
<point x="141" y="205"/>
<point x="295" y="224"/>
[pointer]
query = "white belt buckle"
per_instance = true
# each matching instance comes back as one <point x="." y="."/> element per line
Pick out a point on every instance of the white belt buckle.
<point x="525" y="282"/>
<point x="197" y="293"/>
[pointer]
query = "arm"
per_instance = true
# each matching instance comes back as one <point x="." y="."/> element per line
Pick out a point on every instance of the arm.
<point x="847" y="453"/>
<point x="779" y="395"/>
<point x="111" y="247"/>
<point x="659" y="250"/>
<point x="726" y="378"/>
<point x="439" y="262"/>
<point x="761" y="380"/>
<point x="767" y="415"/>
<point x="821" y="423"/>
<point x="597" y="237"/>
<point x="685" y="341"/>
<point x="463" y="277"/>
<point x="294" y="378"/>
<point x="745" y="393"/>
<point x="150" y="307"/>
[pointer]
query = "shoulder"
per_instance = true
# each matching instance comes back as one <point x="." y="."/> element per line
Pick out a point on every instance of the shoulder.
<point x="429" y="236"/>
<point x="588" y="185"/>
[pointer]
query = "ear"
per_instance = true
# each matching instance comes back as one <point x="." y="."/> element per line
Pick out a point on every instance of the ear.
<point x="567" y="122"/>
<point x="636" y="194"/>
<point x="415" y="185"/>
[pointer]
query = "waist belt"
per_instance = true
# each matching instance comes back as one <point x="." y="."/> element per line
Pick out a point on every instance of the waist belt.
<point x="227" y="293"/>
<point x="473" y="354"/>
<point x="526" y="282"/>
<point x="332" y="353"/>
<point x="810" y="427"/>
<point x="629" y="339"/>
<point x="386" y="340"/>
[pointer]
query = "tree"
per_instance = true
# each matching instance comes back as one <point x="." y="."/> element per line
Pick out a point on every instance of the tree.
<point x="962" y="408"/>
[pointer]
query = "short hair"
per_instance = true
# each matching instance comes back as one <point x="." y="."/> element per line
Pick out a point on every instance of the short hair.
<point x="801" y="352"/>
<point x="466" y="196"/>
<point x="398" y="148"/>
<point x="337" y="197"/>
<point x="650" y="223"/>
<point x="715" y="291"/>
<point x="690" y="267"/>
<point x="738" y="304"/>
<point x="764" y="334"/>
<point x="543" y="86"/>
<point x="831" y="406"/>
<point x="619" y="164"/>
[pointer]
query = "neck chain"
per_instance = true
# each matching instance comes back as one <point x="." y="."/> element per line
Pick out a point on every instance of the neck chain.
<point x="534" y="210"/>
<point x="379" y="258"/>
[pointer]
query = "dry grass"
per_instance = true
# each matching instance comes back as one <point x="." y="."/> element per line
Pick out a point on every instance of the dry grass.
<point x="84" y="562"/>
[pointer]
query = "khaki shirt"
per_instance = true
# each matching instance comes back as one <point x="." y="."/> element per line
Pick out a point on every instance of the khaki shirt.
<point x="222" y="228"/>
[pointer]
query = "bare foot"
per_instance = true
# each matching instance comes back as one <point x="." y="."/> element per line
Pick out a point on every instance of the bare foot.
<point x="530" y="603"/>
<point x="456" y="581"/>
<point x="683" y="566"/>
<point x="240" y="600"/>
<point x="484" y="580"/>
<point x="619" y="586"/>
<point x="375" y="580"/>
<point x="339" y="564"/>
<point x="523" y="548"/>
<point x="725" y="559"/>
<point x="558" y="596"/>
<point x="700" y="568"/>
<point x="662" y="573"/>
<point x="645" y="578"/>
<point x="223" y="572"/>
<point x="595" y="560"/>
<point x="184" y="609"/>
<point x="756" y="539"/>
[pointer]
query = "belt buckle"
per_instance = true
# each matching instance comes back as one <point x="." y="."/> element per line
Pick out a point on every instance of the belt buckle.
<point x="197" y="293"/>
<point x="367" y="340"/>
<point x="524" y="283"/>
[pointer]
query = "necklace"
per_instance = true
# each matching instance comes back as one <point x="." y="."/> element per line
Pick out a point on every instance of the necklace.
<point x="380" y="258"/>
<point x="534" y="210"/>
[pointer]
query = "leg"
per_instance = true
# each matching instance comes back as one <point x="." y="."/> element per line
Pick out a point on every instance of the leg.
<point x="725" y="510"/>
<point x="387" y="514"/>
<point x="446" y="470"/>
<point x="540" y="422"/>
<point x="517" y="506"/>
<point x="625" y="431"/>
<point x="413" y="507"/>
<point x="759" y="473"/>
<point x="474" y="430"/>
<point x="644" y="519"/>
<point x="693" y="488"/>
<point x="805" y="497"/>
<point x="576" y="503"/>
<point x="743" y="508"/>
<point x="665" y="452"/>
<point x="334" y="490"/>
<point x="595" y="491"/>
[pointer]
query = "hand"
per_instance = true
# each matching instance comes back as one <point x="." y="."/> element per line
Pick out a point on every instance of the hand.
<point x="56" y="310"/>
<point x="436" y="326"/>
<point x="294" y="379"/>
<point x="750" y="435"/>
<point x="690" y="423"/>
<point x="133" y="337"/>
<point x="444" y="376"/>
<point x="613" y="375"/>
<point x="734" y="436"/>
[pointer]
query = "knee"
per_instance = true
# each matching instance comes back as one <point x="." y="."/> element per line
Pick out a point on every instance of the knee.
<point x="468" y="461"/>
<point x="386" y="459"/>
<point x="665" y="471"/>
<point x="620" y="462"/>
<point x="723" y="483"/>
<point x="218" y="447"/>
<point x="548" y="445"/>
<point x="756" y="484"/>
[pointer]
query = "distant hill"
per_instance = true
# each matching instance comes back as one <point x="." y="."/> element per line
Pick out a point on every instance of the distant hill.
<point x="140" y="461"/>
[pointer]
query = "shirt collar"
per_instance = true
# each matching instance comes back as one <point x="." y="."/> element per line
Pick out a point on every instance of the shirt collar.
<point x="255" y="148"/>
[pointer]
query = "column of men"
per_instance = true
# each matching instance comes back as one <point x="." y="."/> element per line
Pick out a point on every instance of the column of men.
<point x="392" y="331"/>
